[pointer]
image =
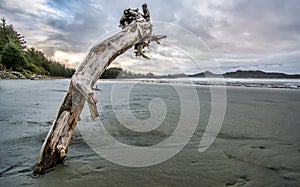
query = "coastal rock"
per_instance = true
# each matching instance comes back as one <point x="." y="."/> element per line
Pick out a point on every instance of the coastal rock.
<point x="18" y="75"/>
<point x="4" y="74"/>
<point x="7" y="75"/>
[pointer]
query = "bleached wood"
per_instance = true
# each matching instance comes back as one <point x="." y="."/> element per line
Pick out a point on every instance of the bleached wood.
<point x="55" y="146"/>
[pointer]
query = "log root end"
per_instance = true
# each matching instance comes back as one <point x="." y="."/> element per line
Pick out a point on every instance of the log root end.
<point x="63" y="153"/>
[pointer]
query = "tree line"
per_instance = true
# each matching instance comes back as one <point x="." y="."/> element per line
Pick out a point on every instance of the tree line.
<point x="15" y="55"/>
<point x="119" y="73"/>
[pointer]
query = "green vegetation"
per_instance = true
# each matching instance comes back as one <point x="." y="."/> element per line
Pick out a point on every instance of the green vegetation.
<point x="113" y="73"/>
<point x="14" y="55"/>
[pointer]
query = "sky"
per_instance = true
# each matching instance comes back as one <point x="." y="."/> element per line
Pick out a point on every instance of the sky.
<point x="214" y="35"/>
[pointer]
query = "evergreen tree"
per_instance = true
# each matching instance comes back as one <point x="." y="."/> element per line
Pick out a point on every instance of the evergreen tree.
<point x="111" y="73"/>
<point x="15" y="55"/>
<point x="12" y="57"/>
<point x="10" y="35"/>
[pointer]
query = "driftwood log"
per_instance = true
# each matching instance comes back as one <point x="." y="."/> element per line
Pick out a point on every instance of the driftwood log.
<point x="55" y="146"/>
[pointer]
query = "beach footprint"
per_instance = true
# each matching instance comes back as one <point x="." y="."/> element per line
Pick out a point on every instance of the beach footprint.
<point x="241" y="181"/>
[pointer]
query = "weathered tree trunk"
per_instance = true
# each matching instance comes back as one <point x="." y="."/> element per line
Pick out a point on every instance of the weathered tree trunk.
<point x="56" y="144"/>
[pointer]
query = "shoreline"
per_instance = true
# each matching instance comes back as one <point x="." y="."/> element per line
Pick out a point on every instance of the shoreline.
<point x="15" y="75"/>
<point x="199" y="83"/>
<point x="173" y="81"/>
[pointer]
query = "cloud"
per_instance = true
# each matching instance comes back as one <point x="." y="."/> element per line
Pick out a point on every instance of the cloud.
<point x="239" y="34"/>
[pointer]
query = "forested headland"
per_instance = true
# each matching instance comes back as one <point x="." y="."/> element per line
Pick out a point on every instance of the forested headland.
<point x="17" y="57"/>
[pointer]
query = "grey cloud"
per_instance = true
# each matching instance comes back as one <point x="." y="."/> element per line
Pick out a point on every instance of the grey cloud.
<point x="266" y="21"/>
<point x="265" y="30"/>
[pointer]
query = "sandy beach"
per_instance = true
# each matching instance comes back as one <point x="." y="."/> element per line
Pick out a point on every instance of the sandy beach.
<point x="258" y="144"/>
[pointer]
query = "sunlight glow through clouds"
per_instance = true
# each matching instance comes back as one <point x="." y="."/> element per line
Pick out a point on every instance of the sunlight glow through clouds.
<point x="68" y="58"/>
<point x="266" y="32"/>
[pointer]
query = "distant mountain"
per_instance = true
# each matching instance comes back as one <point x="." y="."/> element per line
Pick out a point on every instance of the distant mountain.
<point x="119" y="73"/>
<point x="205" y="74"/>
<point x="247" y="74"/>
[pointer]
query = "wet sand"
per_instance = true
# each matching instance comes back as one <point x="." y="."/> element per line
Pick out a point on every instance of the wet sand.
<point x="258" y="144"/>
